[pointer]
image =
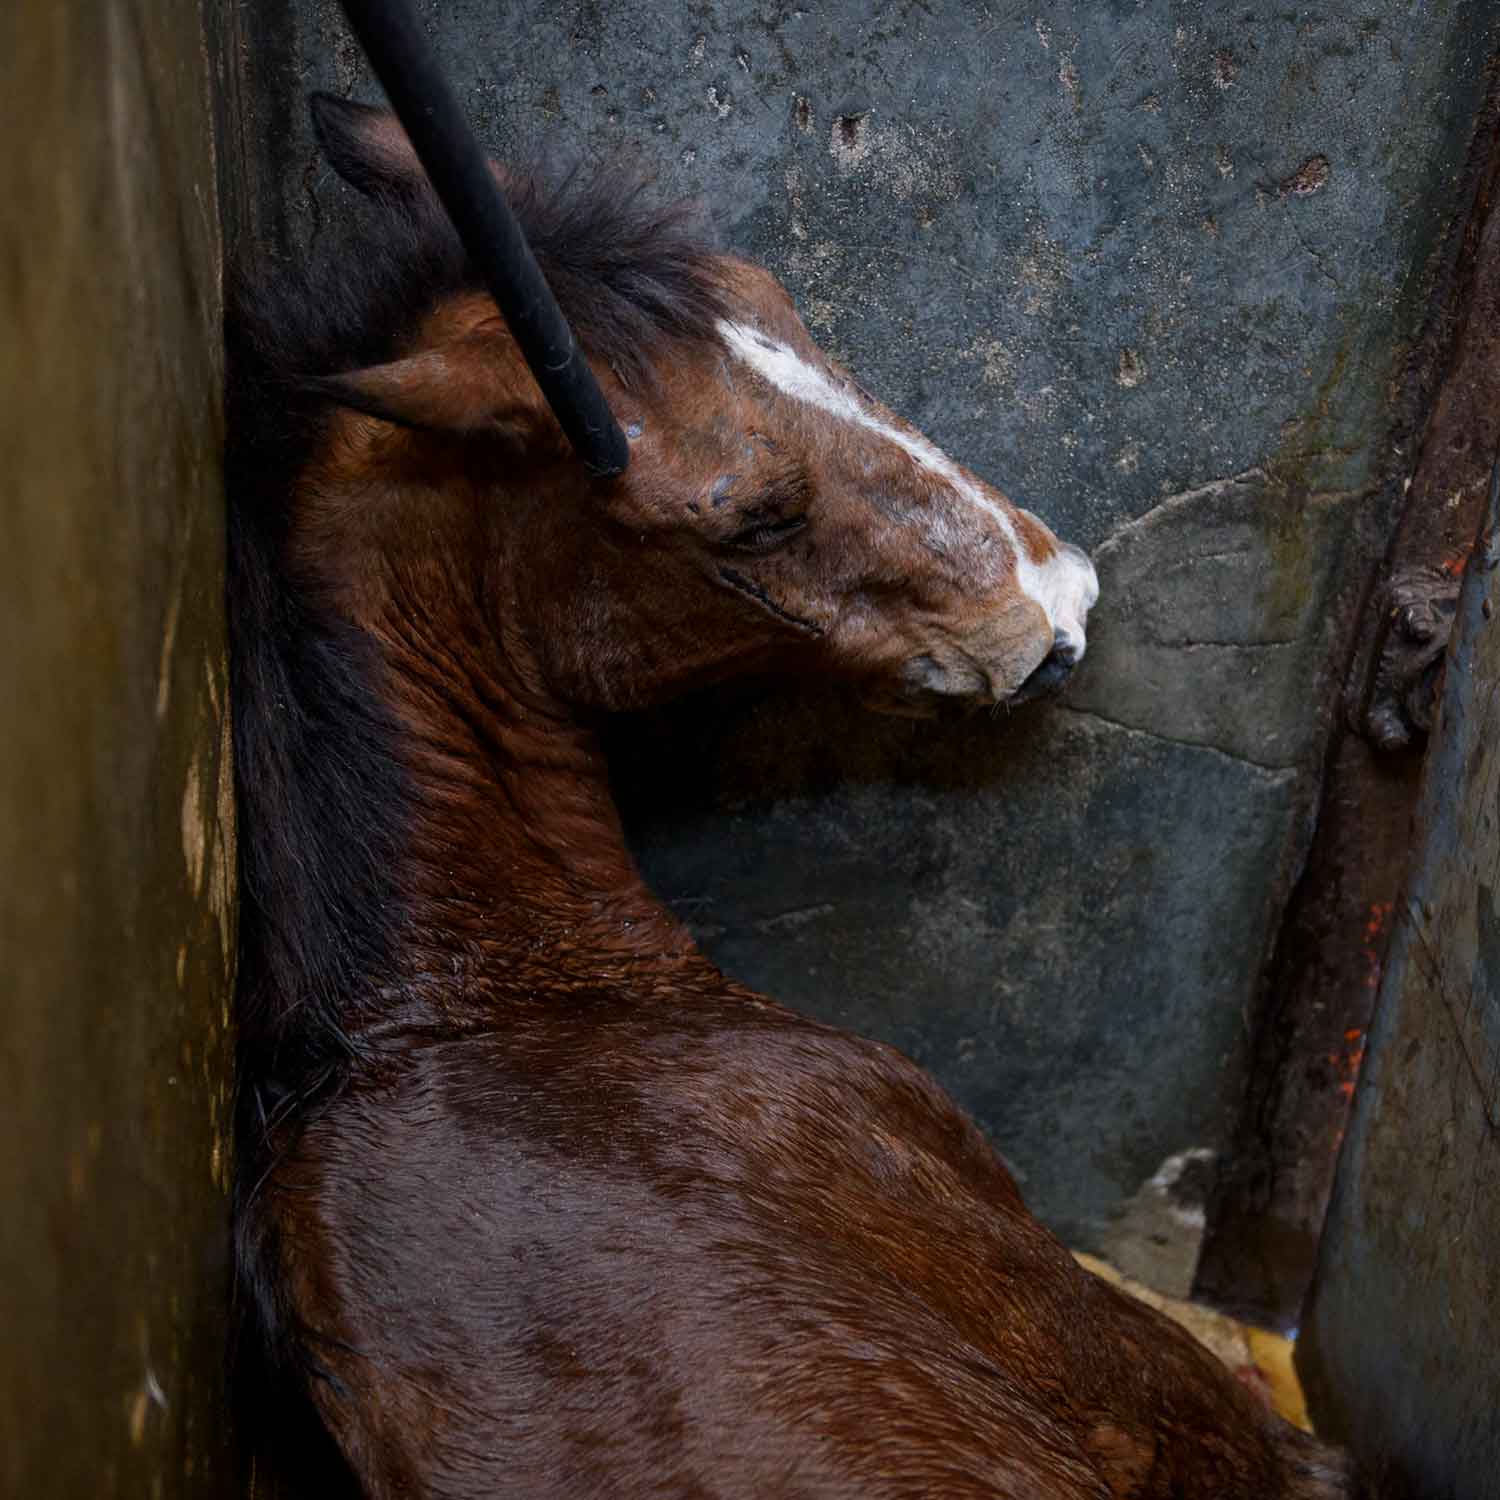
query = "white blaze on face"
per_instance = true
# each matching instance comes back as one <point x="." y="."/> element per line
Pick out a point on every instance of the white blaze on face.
<point x="1064" y="587"/>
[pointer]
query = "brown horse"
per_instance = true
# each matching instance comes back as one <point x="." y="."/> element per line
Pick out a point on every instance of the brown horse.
<point x="533" y="1201"/>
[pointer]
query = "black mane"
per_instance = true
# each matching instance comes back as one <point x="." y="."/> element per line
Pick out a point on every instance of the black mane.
<point x="632" y="275"/>
<point x="323" y="800"/>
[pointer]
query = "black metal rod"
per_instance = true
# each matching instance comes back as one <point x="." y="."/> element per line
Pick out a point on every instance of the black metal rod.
<point x="408" y="71"/>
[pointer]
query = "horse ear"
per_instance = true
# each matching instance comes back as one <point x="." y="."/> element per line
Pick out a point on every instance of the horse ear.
<point x="465" y="386"/>
<point x="367" y="147"/>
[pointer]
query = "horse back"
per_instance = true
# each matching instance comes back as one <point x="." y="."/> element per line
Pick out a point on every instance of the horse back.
<point x="714" y="1250"/>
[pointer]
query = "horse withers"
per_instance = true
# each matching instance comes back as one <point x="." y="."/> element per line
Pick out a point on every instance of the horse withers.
<point x="532" y="1200"/>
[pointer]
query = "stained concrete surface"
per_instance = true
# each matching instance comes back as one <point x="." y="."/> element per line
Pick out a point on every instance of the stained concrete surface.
<point x="116" y="820"/>
<point x="1155" y="270"/>
<point x="1399" y="1349"/>
<point x="1321" y="988"/>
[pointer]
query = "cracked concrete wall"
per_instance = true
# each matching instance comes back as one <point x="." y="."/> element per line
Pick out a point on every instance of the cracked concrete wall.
<point x="116" y="815"/>
<point x="1154" y="269"/>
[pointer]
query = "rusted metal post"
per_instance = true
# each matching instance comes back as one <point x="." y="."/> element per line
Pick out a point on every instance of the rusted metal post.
<point x="1399" y="1351"/>
<point x="1322" y="981"/>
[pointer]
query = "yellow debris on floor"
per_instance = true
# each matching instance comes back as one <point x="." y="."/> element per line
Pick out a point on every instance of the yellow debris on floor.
<point x="1256" y="1355"/>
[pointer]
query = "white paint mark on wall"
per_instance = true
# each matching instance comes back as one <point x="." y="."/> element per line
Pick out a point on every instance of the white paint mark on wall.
<point x="1187" y="1209"/>
<point x="1155" y="1236"/>
<point x="193" y="844"/>
<point x="164" y="663"/>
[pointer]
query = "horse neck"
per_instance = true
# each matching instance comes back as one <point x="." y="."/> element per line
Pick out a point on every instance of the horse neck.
<point x="519" y="860"/>
<point x="517" y="878"/>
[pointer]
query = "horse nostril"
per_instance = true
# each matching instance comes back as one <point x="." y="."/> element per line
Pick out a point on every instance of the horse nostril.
<point x="1059" y="663"/>
<point x="1065" y="650"/>
<point x="1055" y="669"/>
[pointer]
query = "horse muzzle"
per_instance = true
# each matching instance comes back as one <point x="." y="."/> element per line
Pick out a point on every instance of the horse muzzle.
<point x="1053" y="672"/>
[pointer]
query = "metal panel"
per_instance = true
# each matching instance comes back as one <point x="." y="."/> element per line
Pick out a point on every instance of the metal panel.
<point x="116" y="816"/>
<point x="1399" y="1347"/>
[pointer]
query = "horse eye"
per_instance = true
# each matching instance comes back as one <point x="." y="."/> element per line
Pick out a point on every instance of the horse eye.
<point x="765" y="533"/>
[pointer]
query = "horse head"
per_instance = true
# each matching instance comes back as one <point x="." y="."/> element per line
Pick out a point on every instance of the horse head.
<point x="774" y="515"/>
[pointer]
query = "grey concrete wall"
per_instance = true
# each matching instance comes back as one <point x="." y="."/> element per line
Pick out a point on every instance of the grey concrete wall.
<point x="1155" y="269"/>
<point x="116" y="818"/>
<point x="1399" y="1348"/>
